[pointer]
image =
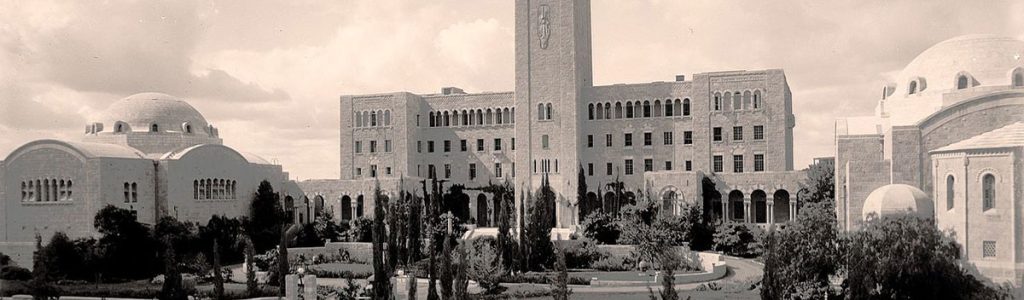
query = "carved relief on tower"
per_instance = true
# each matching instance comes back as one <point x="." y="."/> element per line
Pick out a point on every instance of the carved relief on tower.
<point x="543" y="26"/>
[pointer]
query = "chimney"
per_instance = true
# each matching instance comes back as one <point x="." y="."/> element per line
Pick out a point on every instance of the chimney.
<point x="680" y="77"/>
<point x="451" y="90"/>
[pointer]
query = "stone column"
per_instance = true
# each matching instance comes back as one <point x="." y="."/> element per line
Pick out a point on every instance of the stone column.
<point x="747" y="216"/>
<point x="725" y="210"/>
<point x="792" y="210"/>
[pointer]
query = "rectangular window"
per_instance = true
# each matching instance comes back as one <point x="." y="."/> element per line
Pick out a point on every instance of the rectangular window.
<point x="447" y="171"/>
<point x="544" y="142"/>
<point x="716" y="134"/>
<point x="447" y="146"/>
<point x="687" y="137"/>
<point x="419" y="146"/>
<point x="758" y="162"/>
<point x="718" y="164"/>
<point x="608" y="140"/>
<point x="359" y="147"/>
<point x="668" y="165"/>
<point x="629" y="167"/>
<point x="988" y="248"/>
<point x="590" y="169"/>
<point x="628" y="140"/>
<point x="590" y="141"/>
<point x="758" y="133"/>
<point x="513" y="149"/>
<point x="689" y="165"/>
<point x="419" y="168"/>
<point x="668" y="137"/>
<point x="737" y="133"/>
<point x="513" y="168"/>
<point x="373" y="146"/>
<point x="359" y="172"/>
<point x="737" y="163"/>
<point x="648" y="140"/>
<point x="387" y="146"/>
<point x="388" y="170"/>
<point x="463" y="146"/>
<point x="497" y="144"/>
<point x="479" y="144"/>
<point x="417" y="120"/>
<point x="608" y="168"/>
<point x="373" y="171"/>
<point x="472" y="171"/>
<point x="497" y="170"/>
<point x="431" y="171"/>
<point x="648" y="165"/>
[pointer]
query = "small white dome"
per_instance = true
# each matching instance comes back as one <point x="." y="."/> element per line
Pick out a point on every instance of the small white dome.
<point x="897" y="199"/>
<point x="142" y="111"/>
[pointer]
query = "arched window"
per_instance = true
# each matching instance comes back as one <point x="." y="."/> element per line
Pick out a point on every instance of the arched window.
<point x="913" y="88"/>
<point x="590" y="109"/>
<point x="962" y="82"/>
<point x="479" y="117"/>
<point x="618" y="110"/>
<point x="188" y="128"/>
<point x="746" y="100"/>
<point x="366" y="119"/>
<point x="195" y="189"/>
<point x="513" y="113"/>
<point x="127" y="193"/>
<point x="209" y="189"/>
<point x="1018" y="77"/>
<point x="607" y="110"/>
<point x="717" y="105"/>
<point x="678" y="108"/>
<point x="686" y="107"/>
<point x="950" y="191"/>
<point x="63" y="191"/>
<point x="600" y="111"/>
<point x="447" y="119"/>
<point x="668" y="108"/>
<point x="154" y="128"/>
<point x="757" y="99"/>
<point x="118" y="128"/>
<point x="736" y="98"/>
<point x="540" y="111"/>
<point x="988" y="189"/>
<point x="550" y="113"/>
<point x="202" y="190"/>
<point x="490" y="117"/>
<point x="24" y="191"/>
<point x="629" y="110"/>
<point x="498" y="117"/>
<point x="647" y="109"/>
<point x="657" y="108"/>
<point x="135" y="192"/>
<point x="387" y="118"/>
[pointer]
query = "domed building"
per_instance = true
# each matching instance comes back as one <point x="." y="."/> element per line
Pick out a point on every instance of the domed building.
<point x="897" y="200"/>
<point x="150" y="153"/>
<point x="951" y="125"/>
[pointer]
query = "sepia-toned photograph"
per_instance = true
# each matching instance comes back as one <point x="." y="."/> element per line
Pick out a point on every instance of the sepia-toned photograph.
<point x="511" y="149"/>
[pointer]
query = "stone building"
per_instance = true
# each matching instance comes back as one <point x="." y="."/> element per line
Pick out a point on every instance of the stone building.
<point x="660" y="138"/>
<point x="150" y="153"/>
<point x="951" y="126"/>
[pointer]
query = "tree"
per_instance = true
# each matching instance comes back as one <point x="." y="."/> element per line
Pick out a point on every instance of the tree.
<point x="414" y="224"/>
<point x="447" y="276"/>
<point x="172" y="288"/>
<point x="800" y="257"/>
<point x="127" y="248"/>
<point x="266" y="217"/>
<point x="460" y="283"/>
<point x="225" y="230"/>
<point x="485" y="266"/>
<point x="431" y="211"/>
<point x="670" y="261"/>
<point x="905" y="257"/>
<point x="64" y="260"/>
<point x="601" y="227"/>
<point x="251" y="288"/>
<point x="381" y="274"/>
<point x="582" y="204"/>
<point x="819" y="184"/>
<point x="538" y="229"/>
<point x="738" y="239"/>
<point x="41" y="284"/>
<point x="560" y="283"/>
<point x="218" y="277"/>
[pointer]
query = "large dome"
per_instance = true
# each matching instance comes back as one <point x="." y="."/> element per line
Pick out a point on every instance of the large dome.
<point x="897" y="199"/>
<point x="141" y="111"/>
<point x="987" y="59"/>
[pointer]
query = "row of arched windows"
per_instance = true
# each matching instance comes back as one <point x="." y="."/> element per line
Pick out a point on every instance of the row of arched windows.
<point x="737" y="100"/>
<point x="372" y="118"/>
<point x="638" y="109"/>
<point x="988" y="192"/>
<point x="213" y="189"/>
<point x="131" y="192"/>
<point x="477" y="117"/>
<point x="46" y="190"/>
<point x="544" y="111"/>
<point x="965" y="80"/>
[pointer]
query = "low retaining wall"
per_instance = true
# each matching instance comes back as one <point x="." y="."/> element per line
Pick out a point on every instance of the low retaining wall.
<point x="357" y="252"/>
<point x="711" y="265"/>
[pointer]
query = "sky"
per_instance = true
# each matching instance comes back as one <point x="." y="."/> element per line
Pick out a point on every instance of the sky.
<point x="268" y="74"/>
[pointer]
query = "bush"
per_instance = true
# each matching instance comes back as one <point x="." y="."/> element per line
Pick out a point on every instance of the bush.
<point x="485" y="266"/>
<point x="541" y="278"/>
<point x="601" y="227"/>
<point x="360" y="230"/>
<point x="614" y="263"/>
<point x="12" y="272"/>
<point x="738" y="239"/>
<point x="583" y="254"/>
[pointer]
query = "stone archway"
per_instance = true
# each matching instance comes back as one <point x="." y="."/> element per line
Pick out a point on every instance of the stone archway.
<point x="759" y="199"/>
<point x="781" y="211"/>
<point x="736" y="206"/>
<point x="610" y="203"/>
<point x="668" y="202"/>
<point x="481" y="211"/>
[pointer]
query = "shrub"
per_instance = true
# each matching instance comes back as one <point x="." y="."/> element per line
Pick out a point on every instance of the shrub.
<point x="11" y="272"/>
<point x="601" y="227"/>
<point x="360" y="230"/>
<point x="738" y="239"/>
<point x="485" y="266"/>
<point x="614" y="263"/>
<point x="583" y="254"/>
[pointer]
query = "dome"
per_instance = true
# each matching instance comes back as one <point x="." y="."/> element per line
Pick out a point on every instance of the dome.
<point x="141" y="111"/>
<point x="895" y="199"/>
<point x="987" y="60"/>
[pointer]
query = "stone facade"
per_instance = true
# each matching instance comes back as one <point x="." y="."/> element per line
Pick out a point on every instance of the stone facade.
<point x="660" y="136"/>
<point x="149" y="167"/>
<point x="953" y="116"/>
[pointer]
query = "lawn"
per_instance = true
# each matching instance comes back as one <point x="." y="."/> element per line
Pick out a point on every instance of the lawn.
<point x="621" y="275"/>
<point x="340" y="270"/>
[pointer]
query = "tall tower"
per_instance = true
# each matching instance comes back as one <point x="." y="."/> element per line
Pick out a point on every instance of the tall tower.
<point x="553" y="68"/>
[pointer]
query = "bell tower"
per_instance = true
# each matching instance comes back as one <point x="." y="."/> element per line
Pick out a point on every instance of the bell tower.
<point x="553" y="75"/>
